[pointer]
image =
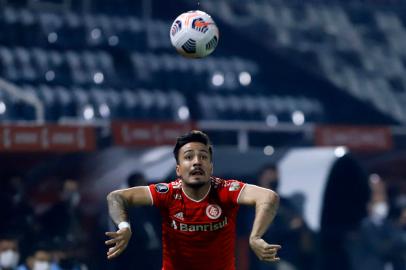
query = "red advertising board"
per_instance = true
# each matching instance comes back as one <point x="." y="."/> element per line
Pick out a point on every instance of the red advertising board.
<point x="355" y="138"/>
<point x="46" y="138"/>
<point x="148" y="133"/>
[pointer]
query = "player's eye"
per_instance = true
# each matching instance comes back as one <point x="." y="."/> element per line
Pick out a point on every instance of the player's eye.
<point x="188" y="157"/>
<point x="204" y="157"/>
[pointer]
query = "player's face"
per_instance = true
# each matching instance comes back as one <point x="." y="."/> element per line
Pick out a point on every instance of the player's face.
<point x="195" y="166"/>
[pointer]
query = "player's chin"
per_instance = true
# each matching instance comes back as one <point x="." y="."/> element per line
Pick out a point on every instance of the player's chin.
<point x="197" y="181"/>
<point x="200" y="178"/>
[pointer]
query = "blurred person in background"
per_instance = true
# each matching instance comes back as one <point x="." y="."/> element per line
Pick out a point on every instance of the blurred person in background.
<point x="398" y="195"/>
<point x="399" y="262"/>
<point x="144" y="248"/>
<point x="382" y="243"/>
<point x="62" y="225"/>
<point x="40" y="258"/>
<point x="289" y="228"/>
<point x="198" y="211"/>
<point x="402" y="219"/>
<point x="62" y="221"/>
<point x="9" y="252"/>
<point x="16" y="212"/>
<point x="67" y="256"/>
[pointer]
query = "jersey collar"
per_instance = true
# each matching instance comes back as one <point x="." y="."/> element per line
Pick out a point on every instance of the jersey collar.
<point x="204" y="197"/>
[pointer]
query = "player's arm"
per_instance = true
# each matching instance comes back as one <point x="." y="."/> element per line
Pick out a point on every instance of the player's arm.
<point x="266" y="204"/>
<point x="118" y="202"/>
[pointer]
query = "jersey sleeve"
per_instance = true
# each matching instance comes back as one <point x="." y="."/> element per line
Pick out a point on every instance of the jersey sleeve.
<point x="231" y="190"/>
<point x="160" y="194"/>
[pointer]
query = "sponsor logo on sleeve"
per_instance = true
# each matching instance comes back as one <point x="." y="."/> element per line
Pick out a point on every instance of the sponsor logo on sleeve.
<point x="213" y="211"/>
<point x="234" y="186"/>
<point x="161" y="188"/>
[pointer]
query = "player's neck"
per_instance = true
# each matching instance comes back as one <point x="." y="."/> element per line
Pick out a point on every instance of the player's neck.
<point x="196" y="194"/>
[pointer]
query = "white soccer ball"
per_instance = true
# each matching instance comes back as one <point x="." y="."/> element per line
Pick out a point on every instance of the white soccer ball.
<point x="194" y="34"/>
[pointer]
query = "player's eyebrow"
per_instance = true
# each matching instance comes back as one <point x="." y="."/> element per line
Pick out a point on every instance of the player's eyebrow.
<point x="191" y="150"/>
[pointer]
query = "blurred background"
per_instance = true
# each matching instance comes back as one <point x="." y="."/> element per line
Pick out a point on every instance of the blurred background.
<point x="305" y="97"/>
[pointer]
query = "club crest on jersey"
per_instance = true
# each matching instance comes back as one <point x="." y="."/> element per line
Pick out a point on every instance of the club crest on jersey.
<point x="161" y="188"/>
<point x="234" y="186"/>
<point x="213" y="211"/>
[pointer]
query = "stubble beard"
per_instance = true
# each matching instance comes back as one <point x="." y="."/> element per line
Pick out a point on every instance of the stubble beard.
<point x="196" y="185"/>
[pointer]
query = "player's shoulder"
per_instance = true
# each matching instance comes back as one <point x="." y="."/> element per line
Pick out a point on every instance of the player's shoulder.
<point x="230" y="184"/>
<point x="176" y="184"/>
<point x="168" y="187"/>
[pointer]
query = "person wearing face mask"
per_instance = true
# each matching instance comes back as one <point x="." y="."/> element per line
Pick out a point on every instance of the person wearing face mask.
<point x="40" y="259"/>
<point x="382" y="243"/>
<point x="9" y="255"/>
<point x="379" y="212"/>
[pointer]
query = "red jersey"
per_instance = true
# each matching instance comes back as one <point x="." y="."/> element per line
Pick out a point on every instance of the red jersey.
<point x="198" y="234"/>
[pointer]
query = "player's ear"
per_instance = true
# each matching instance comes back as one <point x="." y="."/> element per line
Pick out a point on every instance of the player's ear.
<point x="177" y="170"/>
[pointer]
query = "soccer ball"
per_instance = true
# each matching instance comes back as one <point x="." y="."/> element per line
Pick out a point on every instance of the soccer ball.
<point x="194" y="34"/>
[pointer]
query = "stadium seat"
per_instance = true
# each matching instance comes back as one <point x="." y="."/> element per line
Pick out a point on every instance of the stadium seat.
<point x="131" y="104"/>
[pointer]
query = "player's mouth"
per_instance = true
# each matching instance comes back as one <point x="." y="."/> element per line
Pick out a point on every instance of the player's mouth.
<point x="197" y="172"/>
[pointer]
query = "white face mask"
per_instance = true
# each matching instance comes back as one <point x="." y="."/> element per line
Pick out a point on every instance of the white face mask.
<point x="9" y="259"/>
<point x="41" y="265"/>
<point x="380" y="211"/>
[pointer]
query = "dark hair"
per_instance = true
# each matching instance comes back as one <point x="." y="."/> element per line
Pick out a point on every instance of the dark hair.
<point x="45" y="245"/>
<point x="192" y="136"/>
<point x="10" y="236"/>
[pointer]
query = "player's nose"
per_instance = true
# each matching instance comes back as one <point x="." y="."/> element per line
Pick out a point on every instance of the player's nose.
<point x="197" y="161"/>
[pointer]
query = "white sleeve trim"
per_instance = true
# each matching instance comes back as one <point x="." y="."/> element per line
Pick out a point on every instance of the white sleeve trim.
<point x="150" y="195"/>
<point x="238" y="197"/>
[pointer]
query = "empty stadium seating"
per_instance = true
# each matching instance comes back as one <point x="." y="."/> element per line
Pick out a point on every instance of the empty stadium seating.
<point x="359" y="48"/>
<point x="116" y="63"/>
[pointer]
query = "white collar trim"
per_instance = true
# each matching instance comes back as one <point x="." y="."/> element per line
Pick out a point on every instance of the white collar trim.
<point x="204" y="197"/>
